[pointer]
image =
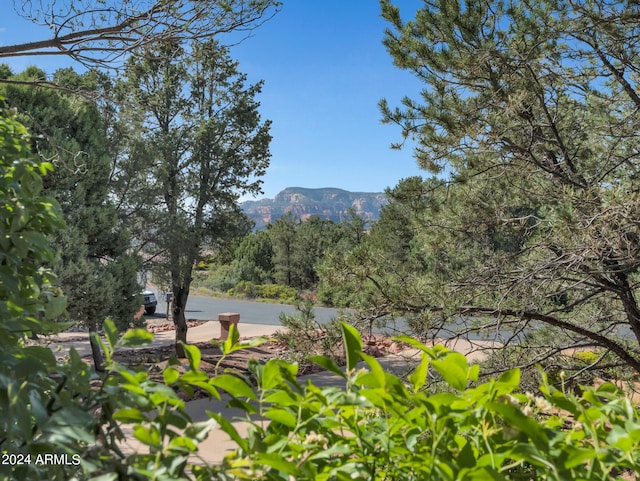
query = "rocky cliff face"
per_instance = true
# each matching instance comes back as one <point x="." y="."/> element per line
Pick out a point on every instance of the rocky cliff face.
<point x="328" y="203"/>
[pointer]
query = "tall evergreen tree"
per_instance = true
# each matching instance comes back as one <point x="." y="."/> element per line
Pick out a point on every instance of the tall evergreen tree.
<point x="95" y="269"/>
<point x="531" y="111"/>
<point x="364" y="272"/>
<point x="198" y="126"/>
<point x="314" y="237"/>
<point x="283" y="239"/>
<point x="253" y="260"/>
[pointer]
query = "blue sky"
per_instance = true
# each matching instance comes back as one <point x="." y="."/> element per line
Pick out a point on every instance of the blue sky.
<point x="325" y="69"/>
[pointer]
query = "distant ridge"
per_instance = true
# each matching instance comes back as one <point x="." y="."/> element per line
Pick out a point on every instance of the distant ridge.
<point x="327" y="203"/>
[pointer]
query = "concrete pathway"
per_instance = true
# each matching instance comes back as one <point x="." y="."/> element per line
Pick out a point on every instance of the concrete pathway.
<point x="62" y="342"/>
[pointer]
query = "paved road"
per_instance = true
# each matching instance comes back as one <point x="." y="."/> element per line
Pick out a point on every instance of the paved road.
<point x="207" y="308"/>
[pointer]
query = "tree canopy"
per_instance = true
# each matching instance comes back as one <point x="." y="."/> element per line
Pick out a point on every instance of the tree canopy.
<point x="529" y="115"/>
<point x="95" y="268"/>
<point x="197" y="135"/>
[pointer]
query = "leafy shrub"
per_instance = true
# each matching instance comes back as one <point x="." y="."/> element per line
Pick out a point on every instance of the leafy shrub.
<point x="284" y="294"/>
<point x="376" y="427"/>
<point x="217" y="279"/>
<point x="278" y="292"/>
<point x="304" y="337"/>
<point x="379" y="427"/>
<point x="244" y="289"/>
<point x="587" y="357"/>
<point x="62" y="408"/>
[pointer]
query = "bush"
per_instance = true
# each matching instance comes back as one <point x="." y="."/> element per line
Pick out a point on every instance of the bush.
<point x="62" y="409"/>
<point x="381" y="428"/>
<point x="304" y="337"/>
<point x="218" y="279"/>
<point x="284" y="294"/>
<point x="244" y="289"/>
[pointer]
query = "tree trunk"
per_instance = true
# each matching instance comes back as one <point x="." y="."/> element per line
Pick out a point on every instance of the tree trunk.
<point x="96" y="352"/>
<point x="180" y="296"/>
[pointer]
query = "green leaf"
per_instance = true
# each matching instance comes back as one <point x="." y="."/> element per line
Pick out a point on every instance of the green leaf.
<point x="231" y="341"/>
<point x="148" y="435"/>
<point x="43" y="354"/>
<point x="70" y="424"/>
<point x="233" y="385"/>
<point x="466" y="457"/>
<point x="243" y="405"/>
<point x="111" y="332"/>
<point x="182" y="444"/>
<point x="194" y="377"/>
<point x="136" y="337"/>
<point x="528" y="452"/>
<point x="378" y="375"/>
<point x="328" y="364"/>
<point x="170" y="375"/>
<point x="271" y="374"/>
<point x="277" y="462"/>
<point x="282" y="398"/>
<point x="282" y="416"/>
<point x="510" y="377"/>
<point x="577" y="456"/>
<point x="418" y="377"/>
<point x="513" y="416"/>
<point x="230" y="429"/>
<point x="55" y="306"/>
<point x="352" y="345"/>
<point x="454" y="369"/>
<point x="129" y="415"/>
<point x="193" y="355"/>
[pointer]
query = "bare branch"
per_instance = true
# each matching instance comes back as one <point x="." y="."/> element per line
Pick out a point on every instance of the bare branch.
<point x="94" y="34"/>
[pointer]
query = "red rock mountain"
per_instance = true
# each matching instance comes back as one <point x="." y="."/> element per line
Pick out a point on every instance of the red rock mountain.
<point x="327" y="203"/>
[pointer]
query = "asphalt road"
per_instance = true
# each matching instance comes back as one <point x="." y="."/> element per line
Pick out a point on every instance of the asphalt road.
<point x="207" y="308"/>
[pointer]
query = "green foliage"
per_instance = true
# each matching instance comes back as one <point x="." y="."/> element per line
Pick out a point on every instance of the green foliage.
<point x="96" y="270"/>
<point x="282" y="234"/>
<point x="60" y="407"/>
<point x="306" y="338"/>
<point x="197" y="137"/>
<point x="154" y="413"/>
<point x="526" y="122"/>
<point x="284" y="294"/>
<point x="37" y="397"/>
<point x="219" y="278"/>
<point x="388" y="256"/>
<point x="381" y="427"/>
<point x="26" y="218"/>
<point x="243" y="289"/>
<point x="299" y="247"/>
<point x="254" y="258"/>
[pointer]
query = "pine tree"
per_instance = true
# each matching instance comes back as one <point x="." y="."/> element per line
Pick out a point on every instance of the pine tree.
<point x="529" y="114"/>
<point x="95" y="269"/>
<point x="193" y="118"/>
